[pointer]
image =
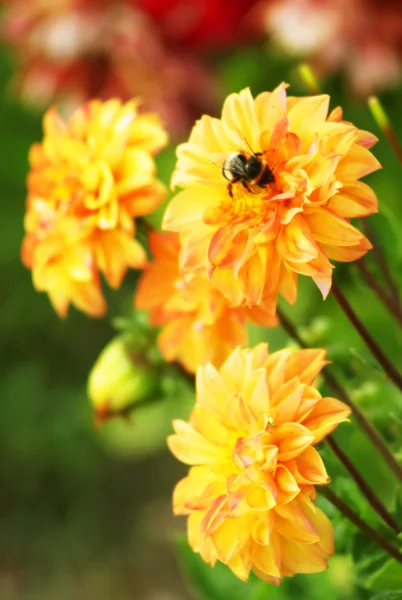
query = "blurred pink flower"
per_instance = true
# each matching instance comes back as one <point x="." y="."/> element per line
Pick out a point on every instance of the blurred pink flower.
<point x="364" y="37"/>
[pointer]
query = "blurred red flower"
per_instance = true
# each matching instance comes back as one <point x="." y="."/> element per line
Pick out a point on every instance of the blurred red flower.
<point x="73" y="50"/>
<point x="210" y="23"/>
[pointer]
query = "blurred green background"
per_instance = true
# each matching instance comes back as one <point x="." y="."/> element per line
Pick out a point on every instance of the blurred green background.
<point x="86" y="513"/>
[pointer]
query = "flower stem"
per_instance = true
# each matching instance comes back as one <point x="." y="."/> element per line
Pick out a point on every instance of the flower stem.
<point x="381" y="261"/>
<point x="362" y="525"/>
<point x="367" y="491"/>
<point x="394" y="307"/>
<point x="366" y="336"/>
<point x="361" y="419"/>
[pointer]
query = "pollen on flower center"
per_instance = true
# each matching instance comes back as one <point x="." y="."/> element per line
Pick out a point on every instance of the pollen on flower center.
<point x="247" y="203"/>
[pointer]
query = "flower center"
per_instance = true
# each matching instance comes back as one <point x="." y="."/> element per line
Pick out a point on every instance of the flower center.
<point x="252" y="202"/>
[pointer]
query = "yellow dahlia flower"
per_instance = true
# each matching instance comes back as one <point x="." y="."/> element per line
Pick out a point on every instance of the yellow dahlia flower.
<point x="250" y="442"/>
<point x="89" y="178"/>
<point x="198" y="324"/>
<point x="283" y="207"/>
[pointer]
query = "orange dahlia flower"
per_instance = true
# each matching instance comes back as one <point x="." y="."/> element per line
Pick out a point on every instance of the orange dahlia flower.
<point x="250" y="442"/>
<point x="253" y="233"/>
<point x="198" y="324"/>
<point x="89" y="178"/>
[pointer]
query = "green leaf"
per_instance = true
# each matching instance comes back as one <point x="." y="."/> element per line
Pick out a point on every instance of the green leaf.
<point x="397" y="595"/>
<point x="388" y="577"/>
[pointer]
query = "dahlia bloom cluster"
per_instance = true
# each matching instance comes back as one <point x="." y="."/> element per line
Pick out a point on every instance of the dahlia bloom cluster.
<point x="252" y="241"/>
<point x="75" y="50"/>
<point x="198" y="323"/>
<point x="362" y="36"/>
<point x="250" y="491"/>
<point x="90" y="177"/>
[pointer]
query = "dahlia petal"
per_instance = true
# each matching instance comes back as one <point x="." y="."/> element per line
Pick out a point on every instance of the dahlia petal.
<point x="262" y="497"/>
<point x="308" y="468"/>
<point x="226" y="283"/>
<point x="286" y="401"/>
<point x="146" y="201"/>
<point x="335" y="115"/>
<point x="339" y="137"/>
<point x="317" y="267"/>
<point x="252" y="277"/>
<point x="194" y="249"/>
<point x="227" y="245"/>
<point x="287" y="285"/>
<point x="188" y="207"/>
<point x="267" y="559"/>
<point x="355" y="199"/>
<point x="348" y="253"/>
<point x="209" y="426"/>
<point x="239" y="116"/>
<point x="287" y="485"/>
<point x="324" y="527"/>
<point x="238" y="412"/>
<point x="303" y="558"/>
<point x="233" y="371"/>
<point x="305" y="364"/>
<point x="88" y="298"/>
<point x="80" y="263"/>
<point x="193" y="530"/>
<point x="194" y="164"/>
<point x="188" y="491"/>
<point x="240" y="567"/>
<point x="256" y="392"/>
<point x="60" y="297"/>
<point x="262" y="315"/>
<point x="261" y="532"/>
<point x="291" y="439"/>
<point x="324" y="284"/>
<point x="321" y="168"/>
<point x="356" y="164"/>
<point x="294" y="525"/>
<point x="271" y="107"/>
<point x="330" y="229"/>
<point x="276" y="366"/>
<point x="115" y="252"/>
<point x="148" y="133"/>
<point x="295" y="243"/>
<point x="212" y="390"/>
<point x="216" y="514"/>
<point x="191" y="447"/>
<point x="306" y="116"/>
<point x="211" y="134"/>
<point x="325" y="417"/>
<point x="366" y="139"/>
<point x="136" y="169"/>
<point x="230" y="537"/>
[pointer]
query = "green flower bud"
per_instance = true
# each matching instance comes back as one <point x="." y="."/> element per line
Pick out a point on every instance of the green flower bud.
<point x="118" y="379"/>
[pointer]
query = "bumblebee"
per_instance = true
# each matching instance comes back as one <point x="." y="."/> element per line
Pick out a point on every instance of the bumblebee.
<point x="249" y="170"/>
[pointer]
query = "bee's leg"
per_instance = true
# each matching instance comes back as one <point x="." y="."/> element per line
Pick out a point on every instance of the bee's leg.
<point x="257" y="153"/>
<point x="247" y="187"/>
<point x="230" y="185"/>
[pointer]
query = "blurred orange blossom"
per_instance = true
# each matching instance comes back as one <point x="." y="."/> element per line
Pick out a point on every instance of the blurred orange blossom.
<point x="198" y="324"/>
<point x="252" y="245"/>
<point x="89" y="178"/>
<point x="250" y="442"/>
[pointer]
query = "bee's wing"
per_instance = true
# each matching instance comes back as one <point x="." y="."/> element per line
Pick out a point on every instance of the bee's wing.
<point x="219" y="158"/>
<point x="240" y="141"/>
